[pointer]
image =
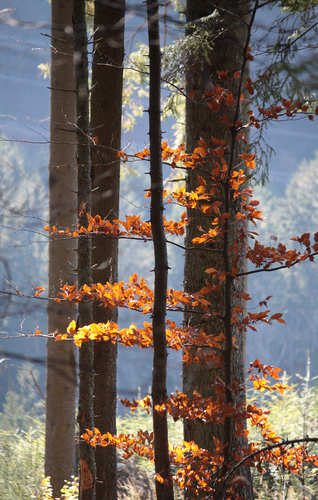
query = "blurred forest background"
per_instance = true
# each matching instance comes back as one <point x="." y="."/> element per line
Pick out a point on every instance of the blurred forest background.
<point x="288" y="200"/>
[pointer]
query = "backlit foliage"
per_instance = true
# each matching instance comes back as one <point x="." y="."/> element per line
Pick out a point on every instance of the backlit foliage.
<point x="197" y="469"/>
<point x="68" y="492"/>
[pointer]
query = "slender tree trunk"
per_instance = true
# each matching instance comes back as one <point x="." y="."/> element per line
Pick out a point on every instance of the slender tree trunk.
<point x="106" y="107"/>
<point x="164" y="490"/>
<point x="86" y="357"/>
<point x="61" y="356"/>
<point x="202" y="122"/>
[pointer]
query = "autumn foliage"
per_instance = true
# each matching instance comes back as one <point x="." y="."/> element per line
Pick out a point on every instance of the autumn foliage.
<point x="197" y="469"/>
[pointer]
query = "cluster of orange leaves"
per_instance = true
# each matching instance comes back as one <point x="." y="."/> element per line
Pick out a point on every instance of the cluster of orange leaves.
<point x="136" y="295"/>
<point x="287" y="108"/>
<point x="219" y="96"/>
<point x="264" y="257"/>
<point x="177" y="337"/>
<point x="194" y="465"/>
<point x="261" y="384"/>
<point x="131" y="227"/>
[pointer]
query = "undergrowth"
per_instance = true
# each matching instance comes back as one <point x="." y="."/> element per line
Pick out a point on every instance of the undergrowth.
<point x="294" y="414"/>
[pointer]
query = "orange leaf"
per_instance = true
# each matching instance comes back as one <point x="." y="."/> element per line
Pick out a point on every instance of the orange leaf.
<point x="211" y="271"/>
<point x="276" y="316"/>
<point x="245" y="296"/>
<point x="201" y="181"/>
<point x="222" y="75"/>
<point x="201" y="151"/>
<point x="202" y="143"/>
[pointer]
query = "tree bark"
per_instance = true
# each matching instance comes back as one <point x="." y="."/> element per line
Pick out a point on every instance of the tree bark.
<point x="61" y="356"/>
<point x="164" y="490"/>
<point x="86" y="357"/>
<point x="106" y="108"/>
<point x="203" y="123"/>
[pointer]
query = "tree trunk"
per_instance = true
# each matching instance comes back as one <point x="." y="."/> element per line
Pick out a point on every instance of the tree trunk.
<point x="106" y="107"/>
<point x="61" y="356"/>
<point x="86" y="357"/>
<point x="203" y="123"/>
<point x="164" y="490"/>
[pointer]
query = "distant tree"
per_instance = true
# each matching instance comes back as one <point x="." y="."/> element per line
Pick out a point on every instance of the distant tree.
<point x="21" y="196"/>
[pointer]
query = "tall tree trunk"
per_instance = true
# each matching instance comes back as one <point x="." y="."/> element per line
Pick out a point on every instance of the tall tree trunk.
<point x="86" y="357"/>
<point x="202" y="122"/>
<point x="164" y="490"/>
<point x="106" y="107"/>
<point x="61" y="356"/>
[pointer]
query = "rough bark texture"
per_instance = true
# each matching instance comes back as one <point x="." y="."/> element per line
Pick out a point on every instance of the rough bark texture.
<point x="202" y="122"/>
<point x="106" y="106"/>
<point x="61" y="356"/>
<point x="86" y="357"/>
<point x="159" y="374"/>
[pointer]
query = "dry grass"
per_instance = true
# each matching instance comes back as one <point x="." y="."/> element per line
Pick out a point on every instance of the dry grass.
<point x="137" y="483"/>
<point x="134" y="482"/>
